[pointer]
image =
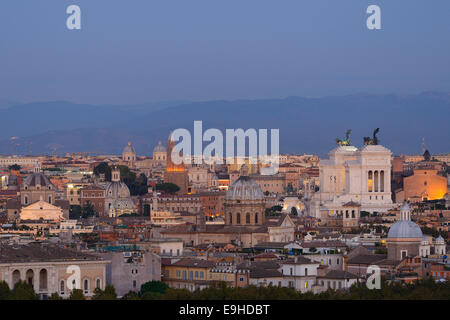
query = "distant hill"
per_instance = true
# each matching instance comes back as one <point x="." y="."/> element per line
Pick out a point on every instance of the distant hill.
<point x="307" y="125"/>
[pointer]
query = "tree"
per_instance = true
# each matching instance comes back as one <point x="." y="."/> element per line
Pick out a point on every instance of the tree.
<point x="294" y="211"/>
<point x="103" y="168"/>
<point x="167" y="187"/>
<point x="14" y="167"/>
<point x="153" y="289"/>
<point x="77" y="294"/>
<point x="23" y="291"/>
<point x="75" y="211"/>
<point x="87" y="211"/>
<point x="4" y="290"/>
<point x="55" y="296"/>
<point x="108" y="294"/>
<point x="131" y="295"/>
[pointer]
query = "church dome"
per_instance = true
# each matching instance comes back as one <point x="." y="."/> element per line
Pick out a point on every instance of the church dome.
<point x="117" y="189"/>
<point x="405" y="229"/>
<point x="244" y="188"/>
<point x="128" y="148"/>
<point x="159" y="147"/>
<point x="37" y="179"/>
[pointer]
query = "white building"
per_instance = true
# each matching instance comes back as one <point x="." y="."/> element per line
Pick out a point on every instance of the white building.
<point x="354" y="175"/>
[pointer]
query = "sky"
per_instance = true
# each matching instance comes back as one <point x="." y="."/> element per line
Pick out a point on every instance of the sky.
<point x="138" y="51"/>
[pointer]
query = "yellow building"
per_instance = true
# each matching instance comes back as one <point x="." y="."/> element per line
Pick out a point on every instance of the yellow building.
<point x="188" y="274"/>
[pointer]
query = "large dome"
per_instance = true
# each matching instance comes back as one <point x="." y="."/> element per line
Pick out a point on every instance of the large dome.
<point x="244" y="188"/>
<point x="405" y="229"/>
<point x="117" y="189"/>
<point x="128" y="148"/>
<point x="159" y="147"/>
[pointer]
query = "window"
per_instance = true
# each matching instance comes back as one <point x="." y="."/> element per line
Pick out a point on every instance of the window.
<point x="202" y="274"/>
<point x="62" y="287"/>
<point x="247" y="218"/>
<point x="238" y="218"/>
<point x="306" y="271"/>
<point x="86" y="286"/>
<point x="196" y="274"/>
<point x="98" y="284"/>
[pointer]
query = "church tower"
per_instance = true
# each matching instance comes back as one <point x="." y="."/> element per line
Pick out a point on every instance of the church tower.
<point x="115" y="174"/>
<point x="175" y="173"/>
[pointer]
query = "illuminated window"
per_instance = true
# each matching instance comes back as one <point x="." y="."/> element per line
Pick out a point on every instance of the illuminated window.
<point x="370" y="182"/>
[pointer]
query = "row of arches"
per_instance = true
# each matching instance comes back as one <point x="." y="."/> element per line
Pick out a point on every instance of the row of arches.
<point x="43" y="281"/>
<point x="30" y="279"/>
<point x="375" y="181"/>
<point x="250" y="218"/>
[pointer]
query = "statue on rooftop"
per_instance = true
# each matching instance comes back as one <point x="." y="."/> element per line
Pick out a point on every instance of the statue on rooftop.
<point x="372" y="141"/>
<point x="345" y="142"/>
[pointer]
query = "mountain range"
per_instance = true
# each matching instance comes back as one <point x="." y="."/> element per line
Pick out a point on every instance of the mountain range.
<point x="307" y="125"/>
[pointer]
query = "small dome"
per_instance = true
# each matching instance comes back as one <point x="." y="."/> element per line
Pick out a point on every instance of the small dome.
<point x="405" y="207"/>
<point x="425" y="241"/>
<point x="117" y="189"/>
<point x="128" y="149"/>
<point x="405" y="229"/>
<point x="37" y="179"/>
<point x="159" y="147"/>
<point x="440" y="240"/>
<point x="244" y="188"/>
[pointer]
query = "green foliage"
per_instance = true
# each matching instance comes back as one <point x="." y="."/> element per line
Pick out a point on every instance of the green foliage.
<point x="75" y="211"/>
<point x="14" y="167"/>
<point x="4" y="290"/>
<point x="153" y="287"/>
<point x="23" y="291"/>
<point x="167" y="187"/>
<point x="77" y="294"/>
<point x="103" y="168"/>
<point x="137" y="185"/>
<point x="87" y="211"/>
<point x="108" y="294"/>
<point x="131" y="295"/>
<point x="274" y="211"/>
<point x="55" y="296"/>
<point x="294" y="211"/>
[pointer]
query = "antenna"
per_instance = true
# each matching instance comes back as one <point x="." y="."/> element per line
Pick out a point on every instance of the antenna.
<point x="423" y="145"/>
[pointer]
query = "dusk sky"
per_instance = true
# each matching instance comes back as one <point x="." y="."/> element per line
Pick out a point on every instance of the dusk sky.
<point x="140" y="51"/>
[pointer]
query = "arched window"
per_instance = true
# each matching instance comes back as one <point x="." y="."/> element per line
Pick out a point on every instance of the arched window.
<point x="375" y="178"/>
<point x="49" y="199"/>
<point x="86" y="285"/>
<point x="231" y="218"/>
<point x="346" y="214"/>
<point x="353" y="213"/>
<point x="238" y="218"/>
<point x="30" y="277"/>
<point x="62" y="287"/>
<point x="98" y="283"/>
<point x="256" y="218"/>
<point x="43" y="279"/>
<point x="247" y="218"/>
<point x="25" y="200"/>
